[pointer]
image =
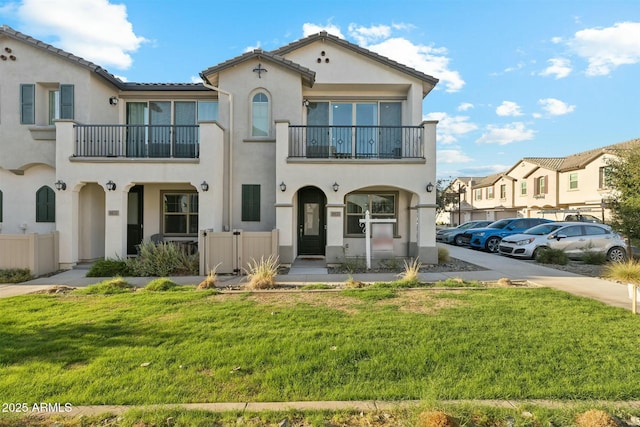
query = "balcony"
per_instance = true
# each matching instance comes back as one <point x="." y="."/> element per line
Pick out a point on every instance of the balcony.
<point x="356" y="142"/>
<point x="137" y="141"/>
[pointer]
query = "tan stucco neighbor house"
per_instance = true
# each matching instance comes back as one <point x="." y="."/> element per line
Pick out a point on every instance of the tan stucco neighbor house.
<point x="303" y="140"/>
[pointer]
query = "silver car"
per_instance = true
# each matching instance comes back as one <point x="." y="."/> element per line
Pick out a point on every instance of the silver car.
<point x="571" y="237"/>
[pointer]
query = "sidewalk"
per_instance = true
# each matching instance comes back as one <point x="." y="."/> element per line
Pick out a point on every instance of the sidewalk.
<point x="495" y="266"/>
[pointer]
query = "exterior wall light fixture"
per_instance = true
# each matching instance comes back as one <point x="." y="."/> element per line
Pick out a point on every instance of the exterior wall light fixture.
<point x="305" y="102"/>
<point x="111" y="186"/>
<point x="113" y="101"/>
<point x="204" y="186"/>
<point x="60" y="185"/>
<point x="283" y="187"/>
<point x="429" y="187"/>
<point x="335" y="187"/>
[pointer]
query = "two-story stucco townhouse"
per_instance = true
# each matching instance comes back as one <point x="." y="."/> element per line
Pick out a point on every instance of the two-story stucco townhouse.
<point x="303" y="139"/>
<point x="549" y="187"/>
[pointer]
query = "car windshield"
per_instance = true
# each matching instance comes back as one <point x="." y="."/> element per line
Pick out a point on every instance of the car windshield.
<point x="467" y="225"/>
<point x="542" y="229"/>
<point x="499" y="224"/>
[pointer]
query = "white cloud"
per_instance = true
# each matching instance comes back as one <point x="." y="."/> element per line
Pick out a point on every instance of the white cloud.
<point x="605" y="49"/>
<point x="366" y="35"/>
<point x="451" y="127"/>
<point x="465" y="106"/>
<point x="92" y="29"/>
<point x="484" y="170"/>
<point x="252" y="48"/>
<point x="509" y="109"/>
<point x="309" y="29"/>
<point x="555" y="107"/>
<point x="507" y="134"/>
<point x="452" y="156"/>
<point x="430" y="60"/>
<point x="558" y="67"/>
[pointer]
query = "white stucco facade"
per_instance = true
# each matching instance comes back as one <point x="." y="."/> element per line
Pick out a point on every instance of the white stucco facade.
<point x="302" y="139"/>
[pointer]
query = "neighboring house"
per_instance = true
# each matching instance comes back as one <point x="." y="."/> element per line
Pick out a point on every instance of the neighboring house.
<point x="303" y="139"/>
<point x="549" y="187"/>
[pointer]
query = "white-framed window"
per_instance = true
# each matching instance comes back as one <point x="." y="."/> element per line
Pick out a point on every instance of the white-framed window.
<point x="540" y="186"/>
<point x="489" y="192"/>
<point x="523" y="188"/>
<point x="503" y="191"/>
<point x="604" y="177"/>
<point x="180" y="213"/>
<point x="380" y="206"/>
<point x="260" y="115"/>
<point x="478" y="194"/>
<point x="573" y="181"/>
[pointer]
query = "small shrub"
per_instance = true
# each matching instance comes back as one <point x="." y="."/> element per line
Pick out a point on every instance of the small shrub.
<point x="109" y="268"/>
<point x="163" y="259"/>
<point x="504" y="282"/>
<point x="593" y="258"/>
<point x="595" y="418"/>
<point x="436" y="419"/>
<point x="210" y="281"/>
<point x="15" y="275"/>
<point x="552" y="256"/>
<point x="352" y="283"/>
<point x="625" y="272"/>
<point x="443" y="255"/>
<point x="117" y="285"/>
<point x="161" y="284"/>
<point x="262" y="274"/>
<point x="353" y="265"/>
<point x="411" y="272"/>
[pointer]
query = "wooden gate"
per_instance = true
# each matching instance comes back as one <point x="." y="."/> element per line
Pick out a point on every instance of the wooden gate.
<point x="232" y="251"/>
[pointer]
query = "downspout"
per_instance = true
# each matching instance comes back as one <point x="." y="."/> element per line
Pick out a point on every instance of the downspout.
<point x="230" y="187"/>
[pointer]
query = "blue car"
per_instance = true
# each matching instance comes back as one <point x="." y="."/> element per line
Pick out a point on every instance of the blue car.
<point x="489" y="238"/>
<point x="454" y="235"/>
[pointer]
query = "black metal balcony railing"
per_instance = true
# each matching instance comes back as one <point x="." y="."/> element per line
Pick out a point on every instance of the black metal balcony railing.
<point x="356" y="142"/>
<point x="137" y="141"/>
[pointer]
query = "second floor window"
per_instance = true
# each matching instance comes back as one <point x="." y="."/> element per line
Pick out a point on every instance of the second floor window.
<point x="573" y="181"/>
<point x="523" y="188"/>
<point x="479" y="194"/>
<point x="540" y="186"/>
<point x="489" y="192"/>
<point x="260" y="115"/>
<point x="604" y="177"/>
<point x="60" y="103"/>
<point x="503" y="191"/>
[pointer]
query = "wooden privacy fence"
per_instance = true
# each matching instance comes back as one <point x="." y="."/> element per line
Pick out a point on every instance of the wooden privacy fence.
<point x="232" y="251"/>
<point x="36" y="252"/>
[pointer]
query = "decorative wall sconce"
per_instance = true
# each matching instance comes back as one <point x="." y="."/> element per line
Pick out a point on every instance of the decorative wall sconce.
<point x="305" y="103"/>
<point x="283" y="187"/>
<point x="113" y="101"/>
<point x="429" y="187"/>
<point x="111" y="186"/>
<point x="335" y="187"/>
<point x="60" y="185"/>
<point x="204" y="186"/>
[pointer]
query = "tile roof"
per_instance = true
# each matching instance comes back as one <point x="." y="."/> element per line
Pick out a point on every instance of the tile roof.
<point x="308" y="75"/>
<point x="324" y="36"/>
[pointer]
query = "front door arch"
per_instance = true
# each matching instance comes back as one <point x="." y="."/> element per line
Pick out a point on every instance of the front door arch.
<point x="311" y="221"/>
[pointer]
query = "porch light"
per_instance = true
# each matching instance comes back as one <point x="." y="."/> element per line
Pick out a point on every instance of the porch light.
<point x="113" y="101"/>
<point x="60" y="185"/>
<point x="305" y="102"/>
<point x="335" y="187"/>
<point x="111" y="185"/>
<point x="429" y="187"/>
<point x="204" y="186"/>
<point x="283" y="187"/>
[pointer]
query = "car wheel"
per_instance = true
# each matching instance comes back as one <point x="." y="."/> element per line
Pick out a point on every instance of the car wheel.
<point x="617" y="254"/>
<point x="458" y="241"/>
<point x="493" y="244"/>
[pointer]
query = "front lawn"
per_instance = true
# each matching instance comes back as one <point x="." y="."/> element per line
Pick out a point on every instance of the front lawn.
<point x="200" y="346"/>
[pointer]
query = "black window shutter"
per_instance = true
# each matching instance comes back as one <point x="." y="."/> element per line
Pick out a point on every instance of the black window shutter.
<point x="251" y="202"/>
<point x="27" y="104"/>
<point x="66" y="102"/>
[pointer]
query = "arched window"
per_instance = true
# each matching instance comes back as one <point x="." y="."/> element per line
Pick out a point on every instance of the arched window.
<point x="260" y="115"/>
<point x="45" y="205"/>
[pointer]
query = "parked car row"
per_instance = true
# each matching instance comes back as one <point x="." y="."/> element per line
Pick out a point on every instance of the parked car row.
<point x="526" y="237"/>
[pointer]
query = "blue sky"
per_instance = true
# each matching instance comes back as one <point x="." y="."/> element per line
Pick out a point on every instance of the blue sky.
<point x="518" y="78"/>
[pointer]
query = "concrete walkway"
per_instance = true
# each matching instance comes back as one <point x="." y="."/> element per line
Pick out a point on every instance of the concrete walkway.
<point x="310" y="272"/>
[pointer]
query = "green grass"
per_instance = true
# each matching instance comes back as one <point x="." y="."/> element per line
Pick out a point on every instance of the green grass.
<point x="352" y="345"/>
